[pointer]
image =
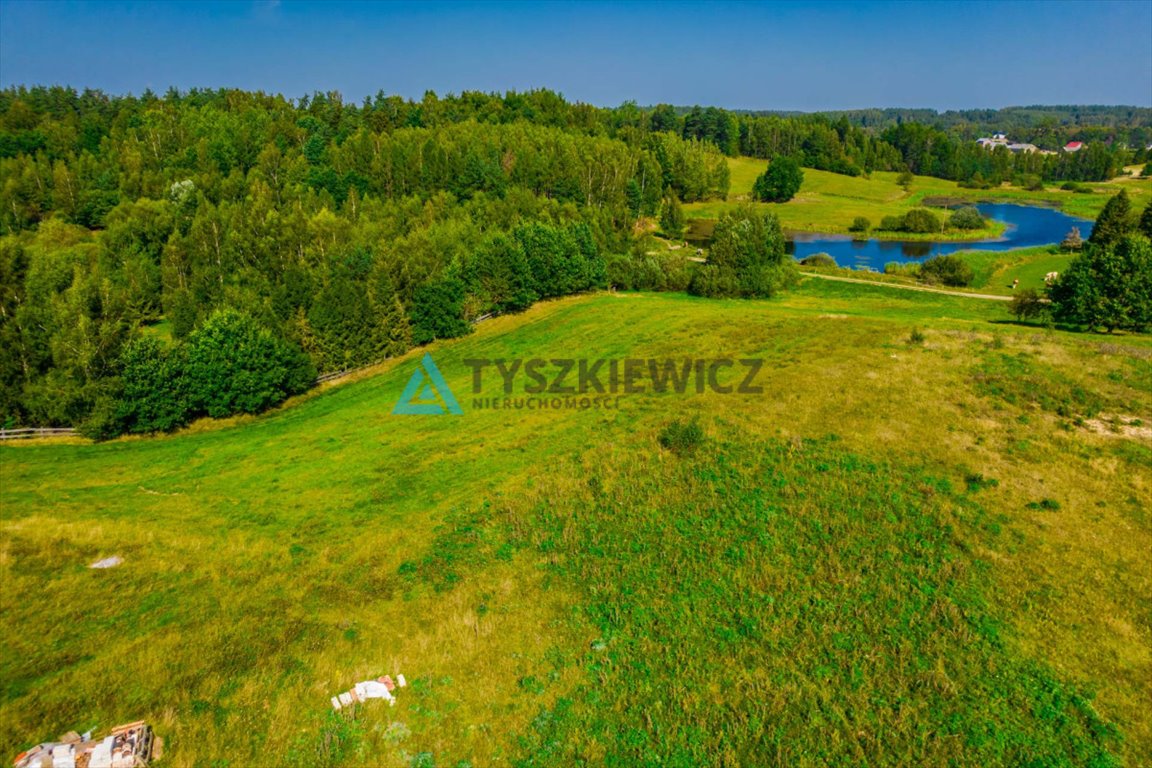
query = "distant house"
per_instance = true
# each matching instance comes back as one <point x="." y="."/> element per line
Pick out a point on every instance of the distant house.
<point x="1018" y="148"/>
<point x="1073" y="146"/>
<point x="997" y="140"/>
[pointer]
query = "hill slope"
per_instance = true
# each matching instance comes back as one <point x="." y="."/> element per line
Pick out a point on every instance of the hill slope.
<point x="897" y="553"/>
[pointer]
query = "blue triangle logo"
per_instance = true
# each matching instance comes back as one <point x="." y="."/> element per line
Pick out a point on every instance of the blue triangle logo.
<point x="427" y="394"/>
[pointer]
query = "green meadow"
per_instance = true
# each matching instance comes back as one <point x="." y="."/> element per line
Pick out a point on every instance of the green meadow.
<point x="924" y="542"/>
<point x="828" y="202"/>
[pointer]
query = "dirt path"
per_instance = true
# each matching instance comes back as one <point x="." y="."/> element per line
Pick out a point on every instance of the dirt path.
<point x="987" y="296"/>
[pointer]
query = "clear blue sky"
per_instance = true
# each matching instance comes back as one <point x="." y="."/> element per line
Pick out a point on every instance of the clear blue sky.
<point x="807" y="56"/>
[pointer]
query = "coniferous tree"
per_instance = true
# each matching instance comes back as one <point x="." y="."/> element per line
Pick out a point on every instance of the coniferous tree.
<point x="1114" y="221"/>
<point x="1145" y="225"/>
<point x="1107" y="286"/>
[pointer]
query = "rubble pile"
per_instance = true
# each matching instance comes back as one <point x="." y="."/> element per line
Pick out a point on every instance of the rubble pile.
<point x="132" y="745"/>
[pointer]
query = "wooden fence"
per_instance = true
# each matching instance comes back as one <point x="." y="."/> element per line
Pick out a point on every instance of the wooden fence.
<point x="25" y="432"/>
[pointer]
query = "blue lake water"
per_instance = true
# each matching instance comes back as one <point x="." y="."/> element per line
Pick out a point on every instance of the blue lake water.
<point x="1027" y="226"/>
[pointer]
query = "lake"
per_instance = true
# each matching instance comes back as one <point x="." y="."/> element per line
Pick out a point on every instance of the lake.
<point x="1027" y="226"/>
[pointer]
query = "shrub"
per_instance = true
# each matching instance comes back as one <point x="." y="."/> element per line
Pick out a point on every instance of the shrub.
<point x="949" y="270"/>
<point x="154" y="391"/>
<point x="892" y="223"/>
<point x="921" y="220"/>
<point x="977" y="482"/>
<point x="713" y="282"/>
<point x="976" y="182"/>
<point x="1072" y="241"/>
<point x="911" y="269"/>
<point x="818" y="260"/>
<point x="860" y="224"/>
<point x="967" y="217"/>
<point x="916" y="337"/>
<point x="1028" y="304"/>
<point x="1032" y="182"/>
<point x="235" y="365"/>
<point x="682" y="437"/>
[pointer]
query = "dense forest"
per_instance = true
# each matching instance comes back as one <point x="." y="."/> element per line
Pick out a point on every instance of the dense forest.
<point x="154" y="246"/>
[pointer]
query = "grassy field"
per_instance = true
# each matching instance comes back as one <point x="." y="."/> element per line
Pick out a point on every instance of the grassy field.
<point x="828" y="202"/>
<point x="996" y="270"/>
<point x="923" y="548"/>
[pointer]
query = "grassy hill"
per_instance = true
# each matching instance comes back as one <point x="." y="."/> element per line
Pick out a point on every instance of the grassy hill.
<point x="828" y="202"/>
<point x="923" y="548"/>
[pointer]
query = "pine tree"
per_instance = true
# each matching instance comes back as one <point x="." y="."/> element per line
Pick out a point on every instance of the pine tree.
<point x="1145" y="225"/>
<point x="1114" y="221"/>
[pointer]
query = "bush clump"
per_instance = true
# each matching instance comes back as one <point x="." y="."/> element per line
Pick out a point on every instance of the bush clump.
<point x="910" y="269"/>
<point x="682" y="437"/>
<point x="949" y="270"/>
<point x="967" y="218"/>
<point x="818" y="260"/>
<point x="919" y="220"/>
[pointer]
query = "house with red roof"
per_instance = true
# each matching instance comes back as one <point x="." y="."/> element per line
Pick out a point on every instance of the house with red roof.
<point x="1073" y="146"/>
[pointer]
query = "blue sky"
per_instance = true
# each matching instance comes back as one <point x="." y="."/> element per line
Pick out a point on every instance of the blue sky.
<point x="807" y="56"/>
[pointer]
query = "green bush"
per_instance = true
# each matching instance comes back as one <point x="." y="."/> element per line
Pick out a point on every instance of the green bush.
<point x="714" y="282"/>
<point x="860" y="224"/>
<point x="892" y="223"/>
<point x="235" y="365"/>
<point x="154" y="389"/>
<point x="911" y="269"/>
<point x="967" y="217"/>
<point x="949" y="270"/>
<point x="921" y="220"/>
<point x="1031" y="182"/>
<point x="1028" y="304"/>
<point x="818" y="260"/>
<point x="682" y="437"/>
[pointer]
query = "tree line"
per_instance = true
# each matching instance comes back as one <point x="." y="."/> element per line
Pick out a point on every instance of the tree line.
<point x="142" y="233"/>
<point x="155" y="243"/>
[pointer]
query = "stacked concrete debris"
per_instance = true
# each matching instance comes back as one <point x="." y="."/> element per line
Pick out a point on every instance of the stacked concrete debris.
<point x="132" y="745"/>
